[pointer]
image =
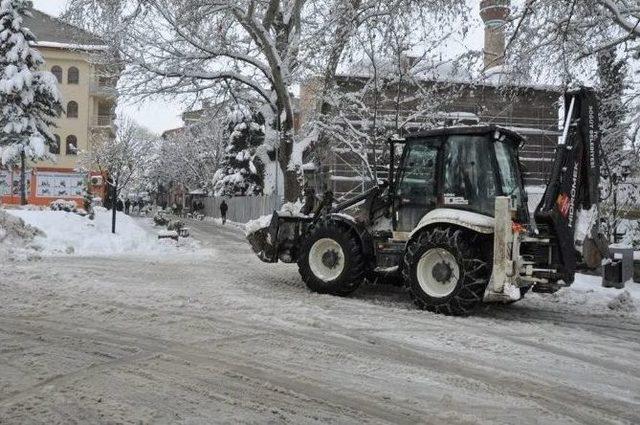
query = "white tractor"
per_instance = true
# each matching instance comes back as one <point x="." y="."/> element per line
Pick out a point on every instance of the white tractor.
<point x="452" y="221"/>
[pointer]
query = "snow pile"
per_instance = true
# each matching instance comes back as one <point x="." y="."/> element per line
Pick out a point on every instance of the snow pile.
<point x="257" y="224"/>
<point x="290" y="209"/>
<point x="623" y="302"/>
<point x="69" y="233"/>
<point x="587" y="296"/>
<point x="15" y="236"/>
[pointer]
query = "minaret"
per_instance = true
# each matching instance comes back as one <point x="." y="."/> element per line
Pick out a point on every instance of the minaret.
<point x="494" y="14"/>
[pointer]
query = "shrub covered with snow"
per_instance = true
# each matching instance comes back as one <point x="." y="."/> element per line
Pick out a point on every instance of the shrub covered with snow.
<point x="63" y="205"/>
<point x="160" y="219"/>
<point x="175" y="224"/>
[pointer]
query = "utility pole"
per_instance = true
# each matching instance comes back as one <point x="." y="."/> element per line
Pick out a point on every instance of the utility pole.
<point x="114" y="204"/>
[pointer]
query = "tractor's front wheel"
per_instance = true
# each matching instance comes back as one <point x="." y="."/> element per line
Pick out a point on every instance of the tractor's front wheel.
<point x="445" y="270"/>
<point x="331" y="260"/>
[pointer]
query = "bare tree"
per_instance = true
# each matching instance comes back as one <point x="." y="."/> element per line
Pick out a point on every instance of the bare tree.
<point x="120" y="160"/>
<point x="194" y="47"/>
<point x="595" y="43"/>
<point x="394" y="81"/>
<point x="187" y="47"/>
<point x="191" y="156"/>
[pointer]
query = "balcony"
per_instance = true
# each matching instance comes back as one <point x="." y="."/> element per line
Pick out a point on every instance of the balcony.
<point x="103" y="121"/>
<point x="103" y="87"/>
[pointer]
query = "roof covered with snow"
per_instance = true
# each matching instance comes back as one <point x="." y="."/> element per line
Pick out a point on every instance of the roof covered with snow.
<point x="449" y="72"/>
<point x="467" y="129"/>
<point x="52" y="32"/>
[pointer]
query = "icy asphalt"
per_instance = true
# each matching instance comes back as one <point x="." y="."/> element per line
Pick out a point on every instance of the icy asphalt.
<point x="215" y="336"/>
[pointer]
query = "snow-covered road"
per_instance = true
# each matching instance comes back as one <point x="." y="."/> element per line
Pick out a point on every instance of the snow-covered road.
<point x="216" y="336"/>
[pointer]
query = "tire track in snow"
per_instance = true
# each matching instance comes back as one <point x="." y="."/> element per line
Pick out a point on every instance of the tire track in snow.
<point x="553" y="397"/>
<point x="243" y="367"/>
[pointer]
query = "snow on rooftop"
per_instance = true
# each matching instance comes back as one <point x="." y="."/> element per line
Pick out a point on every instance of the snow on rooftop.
<point x="71" y="46"/>
<point x="449" y="72"/>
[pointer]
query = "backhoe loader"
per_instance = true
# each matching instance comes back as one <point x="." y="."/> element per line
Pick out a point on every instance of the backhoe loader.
<point x="452" y="220"/>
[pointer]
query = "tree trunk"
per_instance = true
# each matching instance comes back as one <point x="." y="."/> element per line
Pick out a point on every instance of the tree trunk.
<point x="291" y="186"/>
<point x="23" y="179"/>
<point x="114" y="208"/>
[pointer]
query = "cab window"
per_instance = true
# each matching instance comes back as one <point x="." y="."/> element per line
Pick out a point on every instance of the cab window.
<point x="469" y="176"/>
<point x="417" y="189"/>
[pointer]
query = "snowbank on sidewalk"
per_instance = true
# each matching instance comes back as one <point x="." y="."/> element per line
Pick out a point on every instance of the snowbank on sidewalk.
<point x="69" y="233"/>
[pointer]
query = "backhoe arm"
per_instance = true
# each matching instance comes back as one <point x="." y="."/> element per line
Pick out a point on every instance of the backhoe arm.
<point x="574" y="180"/>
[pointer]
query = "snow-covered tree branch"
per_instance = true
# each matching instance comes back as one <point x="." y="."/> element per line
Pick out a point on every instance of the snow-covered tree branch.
<point x="121" y="159"/>
<point x="190" y="156"/>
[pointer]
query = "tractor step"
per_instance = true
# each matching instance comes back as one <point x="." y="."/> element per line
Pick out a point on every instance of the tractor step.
<point x="546" y="288"/>
<point x="389" y="254"/>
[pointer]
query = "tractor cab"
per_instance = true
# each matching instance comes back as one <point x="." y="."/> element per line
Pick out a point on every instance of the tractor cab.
<point x="458" y="168"/>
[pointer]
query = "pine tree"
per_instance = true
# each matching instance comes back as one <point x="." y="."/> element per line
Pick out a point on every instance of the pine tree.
<point x="29" y="96"/>
<point x="241" y="171"/>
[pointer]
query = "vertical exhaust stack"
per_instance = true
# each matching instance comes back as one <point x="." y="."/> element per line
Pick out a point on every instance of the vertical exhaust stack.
<point x="494" y="14"/>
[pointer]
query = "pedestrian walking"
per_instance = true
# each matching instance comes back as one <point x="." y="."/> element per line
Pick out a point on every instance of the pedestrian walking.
<point x="119" y="205"/>
<point x="223" y="211"/>
<point x="127" y="206"/>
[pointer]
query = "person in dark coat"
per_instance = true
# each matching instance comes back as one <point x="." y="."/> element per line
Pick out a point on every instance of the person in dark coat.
<point x="127" y="206"/>
<point x="223" y="211"/>
<point x="120" y="205"/>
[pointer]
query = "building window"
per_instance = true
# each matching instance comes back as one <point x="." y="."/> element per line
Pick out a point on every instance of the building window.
<point x="72" y="109"/>
<point x="73" y="75"/>
<point x="57" y="71"/>
<point x="72" y="145"/>
<point x="55" y="146"/>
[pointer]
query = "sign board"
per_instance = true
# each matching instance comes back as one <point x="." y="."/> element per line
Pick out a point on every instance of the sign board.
<point x="59" y="184"/>
<point x="10" y="182"/>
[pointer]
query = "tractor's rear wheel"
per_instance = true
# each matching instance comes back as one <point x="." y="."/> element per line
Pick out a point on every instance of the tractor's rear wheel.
<point x="331" y="260"/>
<point x="446" y="271"/>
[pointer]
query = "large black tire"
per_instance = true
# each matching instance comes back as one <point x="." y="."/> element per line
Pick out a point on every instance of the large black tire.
<point x="466" y="247"/>
<point x="353" y="267"/>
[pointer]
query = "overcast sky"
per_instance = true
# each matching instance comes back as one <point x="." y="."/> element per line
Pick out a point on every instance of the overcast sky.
<point x="157" y="116"/>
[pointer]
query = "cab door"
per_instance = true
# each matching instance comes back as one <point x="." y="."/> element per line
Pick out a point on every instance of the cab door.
<point x="417" y="189"/>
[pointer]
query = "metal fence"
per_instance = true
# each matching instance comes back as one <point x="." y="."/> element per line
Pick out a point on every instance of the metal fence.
<point x="243" y="208"/>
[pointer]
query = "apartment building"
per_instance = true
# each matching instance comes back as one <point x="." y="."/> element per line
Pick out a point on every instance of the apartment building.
<point x="88" y="87"/>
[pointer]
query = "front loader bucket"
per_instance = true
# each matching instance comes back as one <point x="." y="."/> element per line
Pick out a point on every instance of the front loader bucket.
<point x="280" y="240"/>
<point x="262" y="242"/>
